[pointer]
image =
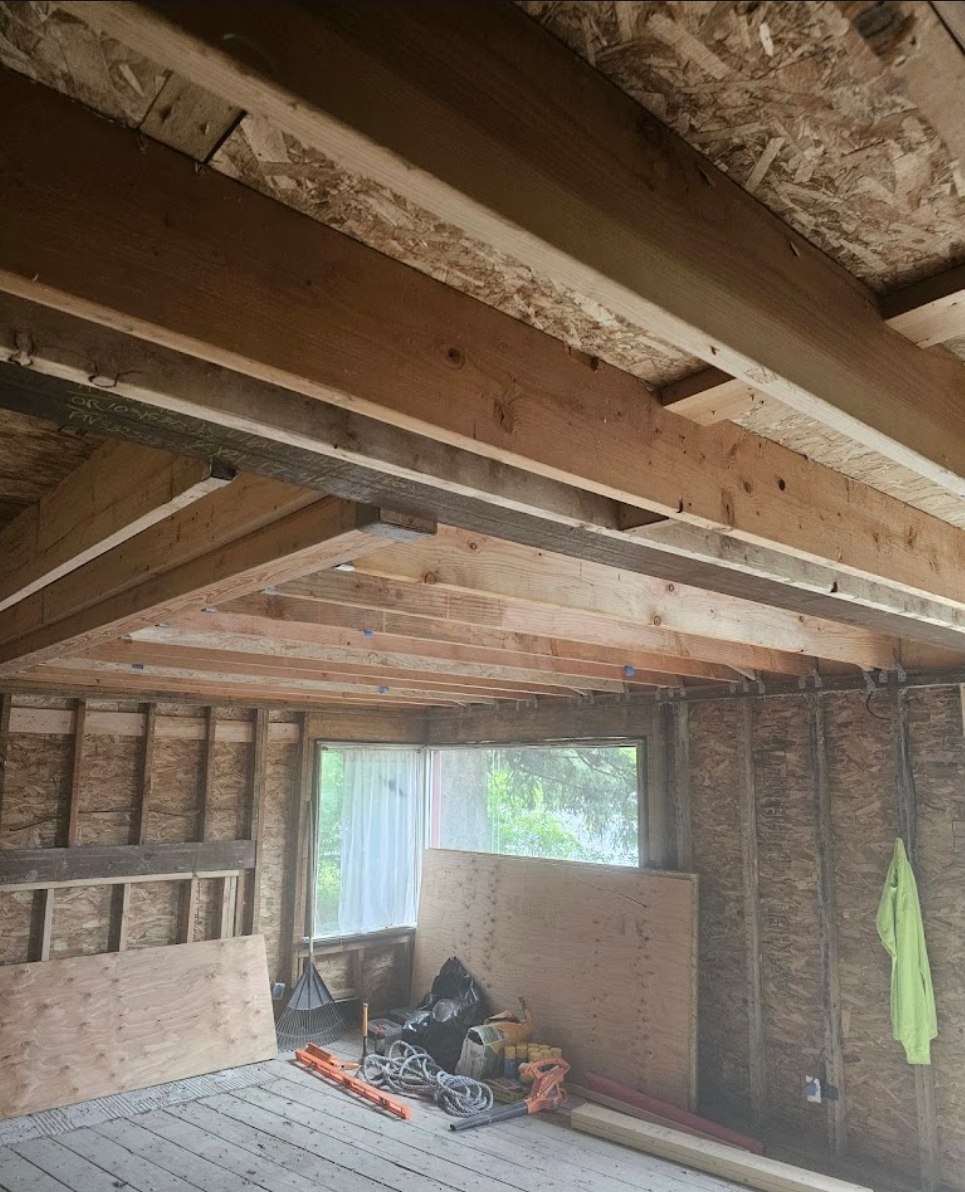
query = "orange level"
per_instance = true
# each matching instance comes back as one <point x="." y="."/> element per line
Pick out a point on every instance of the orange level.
<point x="330" y="1067"/>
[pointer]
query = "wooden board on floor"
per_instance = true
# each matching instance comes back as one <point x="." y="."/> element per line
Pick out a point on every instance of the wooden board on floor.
<point x="91" y="1026"/>
<point x="605" y="957"/>
<point x="754" y="1171"/>
<point x="704" y="1154"/>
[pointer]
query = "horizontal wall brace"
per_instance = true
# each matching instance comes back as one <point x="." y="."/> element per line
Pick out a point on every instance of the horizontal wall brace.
<point x="96" y="864"/>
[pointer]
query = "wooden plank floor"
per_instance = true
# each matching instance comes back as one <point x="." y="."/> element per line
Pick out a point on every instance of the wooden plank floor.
<point x="294" y="1133"/>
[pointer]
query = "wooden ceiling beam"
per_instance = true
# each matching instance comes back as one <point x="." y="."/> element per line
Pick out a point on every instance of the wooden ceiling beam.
<point x="259" y="657"/>
<point x="471" y="563"/>
<point x="70" y="681"/>
<point x="453" y="607"/>
<point x="928" y="312"/>
<point x="476" y="114"/>
<point x="120" y="491"/>
<point x="323" y="534"/>
<point x="324" y="317"/>
<point x="333" y="625"/>
<point x="255" y="680"/>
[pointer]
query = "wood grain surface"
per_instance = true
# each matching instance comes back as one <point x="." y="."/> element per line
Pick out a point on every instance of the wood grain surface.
<point x="96" y="1025"/>
<point x="605" y="957"/>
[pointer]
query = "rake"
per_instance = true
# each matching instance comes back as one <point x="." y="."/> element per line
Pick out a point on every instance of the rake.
<point x="311" y="1015"/>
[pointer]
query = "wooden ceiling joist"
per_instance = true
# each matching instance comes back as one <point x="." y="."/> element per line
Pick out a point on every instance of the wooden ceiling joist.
<point x="61" y="620"/>
<point x="121" y="490"/>
<point x="566" y="587"/>
<point x="928" y="312"/>
<point x="70" y="681"/>
<point x="476" y="114"/>
<point x="327" y="318"/>
<point x="332" y="625"/>
<point x="223" y="657"/>
<point x="335" y="450"/>
<point x="454" y="607"/>
<point x="254" y="681"/>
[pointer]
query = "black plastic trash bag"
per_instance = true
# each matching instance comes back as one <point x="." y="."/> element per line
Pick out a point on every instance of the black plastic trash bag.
<point x="442" y="1018"/>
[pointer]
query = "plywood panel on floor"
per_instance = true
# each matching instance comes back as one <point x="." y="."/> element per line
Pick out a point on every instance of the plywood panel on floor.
<point x="605" y="957"/>
<point x="96" y="1025"/>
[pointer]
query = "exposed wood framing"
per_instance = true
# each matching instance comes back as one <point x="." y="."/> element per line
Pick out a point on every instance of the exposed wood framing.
<point x="655" y="815"/>
<point x="756" y="1058"/>
<point x="289" y="664"/>
<point x="506" y="571"/>
<point x="76" y="774"/>
<point x="207" y="771"/>
<point x="929" y="1149"/>
<point x="144" y="724"/>
<point x="6" y="704"/>
<point x="928" y="312"/>
<point x="42" y="925"/>
<point x="259" y="787"/>
<point x="828" y="930"/>
<point x="279" y="623"/>
<point x="120" y="491"/>
<point x="147" y="773"/>
<point x="323" y="534"/>
<point x="459" y="608"/>
<point x="681" y="787"/>
<point x="294" y="908"/>
<point x="119" y="917"/>
<point x="502" y="500"/>
<point x="636" y="452"/>
<point x="188" y="911"/>
<point x="93" y="863"/>
<point x="549" y="172"/>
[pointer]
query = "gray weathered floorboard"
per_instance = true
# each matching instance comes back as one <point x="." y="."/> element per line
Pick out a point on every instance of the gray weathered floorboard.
<point x="176" y="1162"/>
<point x="251" y="1152"/>
<point x="18" y="1175"/>
<point x="66" y="1165"/>
<point x="106" y="1145"/>
<point x="291" y="1132"/>
<point x="310" y="1139"/>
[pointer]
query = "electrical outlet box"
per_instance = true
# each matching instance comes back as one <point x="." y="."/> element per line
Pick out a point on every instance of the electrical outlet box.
<point x="278" y="991"/>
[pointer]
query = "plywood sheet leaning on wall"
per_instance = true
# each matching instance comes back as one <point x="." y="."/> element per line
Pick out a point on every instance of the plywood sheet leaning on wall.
<point x="96" y="1025"/>
<point x="605" y="957"/>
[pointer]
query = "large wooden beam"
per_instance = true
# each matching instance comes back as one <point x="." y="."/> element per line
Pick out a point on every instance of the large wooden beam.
<point x="336" y="625"/>
<point x="928" y="312"/>
<point x="472" y="563"/>
<point x="476" y="608"/>
<point x="91" y="863"/>
<point x="307" y="308"/>
<point x="323" y="534"/>
<point x="474" y="113"/>
<point x="333" y="450"/>
<point x="121" y="490"/>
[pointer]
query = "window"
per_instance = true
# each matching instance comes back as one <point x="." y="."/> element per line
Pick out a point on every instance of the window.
<point x="578" y="802"/>
<point x="379" y="805"/>
<point x="371" y="831"/>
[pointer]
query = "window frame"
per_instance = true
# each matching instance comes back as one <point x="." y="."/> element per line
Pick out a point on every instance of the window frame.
<point x="645" y="777"/>
<point x="336" y="941"/>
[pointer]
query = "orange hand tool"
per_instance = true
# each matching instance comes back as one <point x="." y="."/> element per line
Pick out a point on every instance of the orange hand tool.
<point x="547" y="1093"/>
<point x="330" y="1067"/>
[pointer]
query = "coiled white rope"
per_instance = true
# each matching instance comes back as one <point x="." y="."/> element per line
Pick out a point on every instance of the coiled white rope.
<point x="410" y="1071"/>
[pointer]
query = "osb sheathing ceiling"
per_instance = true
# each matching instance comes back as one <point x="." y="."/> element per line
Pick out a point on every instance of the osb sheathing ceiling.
<point x="785" y="97"/>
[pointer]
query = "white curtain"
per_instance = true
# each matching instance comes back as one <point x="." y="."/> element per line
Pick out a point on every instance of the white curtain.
<point x="382" y="838"/>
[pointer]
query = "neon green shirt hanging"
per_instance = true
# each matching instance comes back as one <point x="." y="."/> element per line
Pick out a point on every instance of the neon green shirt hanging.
<point x="913" y="1019"/>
